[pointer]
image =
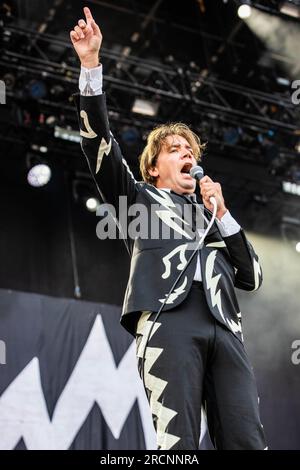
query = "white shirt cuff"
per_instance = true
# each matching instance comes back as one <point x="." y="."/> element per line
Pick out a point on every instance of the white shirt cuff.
<point x="91" y="81"/>
<point x="228" y="225"/>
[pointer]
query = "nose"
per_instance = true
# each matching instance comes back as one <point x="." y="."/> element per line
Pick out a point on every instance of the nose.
<point x="187" y="155"/>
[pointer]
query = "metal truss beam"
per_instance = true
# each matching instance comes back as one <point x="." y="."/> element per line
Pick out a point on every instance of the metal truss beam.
<point x="151" y="80"/>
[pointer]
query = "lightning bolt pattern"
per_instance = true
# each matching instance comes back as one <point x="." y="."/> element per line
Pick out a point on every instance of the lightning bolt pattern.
<point x="155" y="384"/>
<point x="90" y="134"/>
<point x="212" y="282"/>
<point x="104" y="148"/>
<point x="168" y="216"/>
<point x="257" y="274"/>
<point x="180" y="290"/>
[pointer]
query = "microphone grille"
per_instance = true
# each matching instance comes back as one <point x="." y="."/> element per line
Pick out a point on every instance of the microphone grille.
<point x="197" y="172"/>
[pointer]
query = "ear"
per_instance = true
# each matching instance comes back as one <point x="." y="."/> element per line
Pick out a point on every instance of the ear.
<point x="153" y="171"/>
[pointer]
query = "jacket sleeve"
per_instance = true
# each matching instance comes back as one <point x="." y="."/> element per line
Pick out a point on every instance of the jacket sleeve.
<point x="248" y="272"/>
<point x="108" y="167"/>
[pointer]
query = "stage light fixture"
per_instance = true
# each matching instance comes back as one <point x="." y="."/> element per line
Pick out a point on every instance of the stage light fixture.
<point x="51" y="120"/>
<point x="290" y="8"/>
<point x="67" y="134"/>
<point x="39" y="148"/>
<point x="37" y="89"/>
<point x="244" y="11"/>
<point x="10" y="80"/>
<point x="130" y="135"/>
<point x="84" y="192"/>
<point x="147" y="108"/>
<point x="283" y="81"/>
<point x="91" y="204"/>
<point x="231" y="135"/>
<point x="39" y="175"/>
<point x="291" y="188"/>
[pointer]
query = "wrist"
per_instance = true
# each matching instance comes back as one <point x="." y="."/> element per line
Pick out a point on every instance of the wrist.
<point x="90" y="63"/>
<point x="221" y="213"/>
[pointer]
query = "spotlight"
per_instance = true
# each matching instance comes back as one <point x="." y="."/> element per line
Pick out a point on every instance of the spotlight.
<point x="291" y="188"/>
<point x="298" y="247"/>
<point x="283" y="81"/>
<point x="39" y="148"/>
<point x="84" y="192"/>
<point x="51" y="120"/>
<point x="91" y="204"/>
<point x="39" y="175"/>
<point x="244" y="11"/>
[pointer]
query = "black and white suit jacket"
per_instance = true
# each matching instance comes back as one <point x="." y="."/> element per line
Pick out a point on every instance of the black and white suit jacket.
<point x="226" y="263"/>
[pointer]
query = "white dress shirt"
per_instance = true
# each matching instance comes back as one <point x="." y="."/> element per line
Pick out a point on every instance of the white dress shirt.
<point x="91" y="80"/>
<point x="90" y="83"/>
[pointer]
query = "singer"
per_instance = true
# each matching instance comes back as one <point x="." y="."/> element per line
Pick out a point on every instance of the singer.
<point x="195" y="354"/>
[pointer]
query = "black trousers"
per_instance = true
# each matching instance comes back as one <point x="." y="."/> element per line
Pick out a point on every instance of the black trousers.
<point x="192" y="360"/>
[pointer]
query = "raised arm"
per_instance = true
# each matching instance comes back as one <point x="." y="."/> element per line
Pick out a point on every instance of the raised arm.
<point x="106" y="163"/>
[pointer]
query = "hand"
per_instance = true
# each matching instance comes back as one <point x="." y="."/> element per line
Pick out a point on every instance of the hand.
<point x="208" y="188"/>
<point x="86" y="38"/>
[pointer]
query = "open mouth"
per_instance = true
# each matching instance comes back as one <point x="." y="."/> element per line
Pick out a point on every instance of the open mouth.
<point x="186" y="168"/>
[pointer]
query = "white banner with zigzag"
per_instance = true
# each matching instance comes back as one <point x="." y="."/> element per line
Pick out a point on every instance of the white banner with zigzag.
<point x="94" y="379"/>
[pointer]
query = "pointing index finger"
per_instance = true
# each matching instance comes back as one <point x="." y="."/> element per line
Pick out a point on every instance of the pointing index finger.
<point x="88" y="15"/>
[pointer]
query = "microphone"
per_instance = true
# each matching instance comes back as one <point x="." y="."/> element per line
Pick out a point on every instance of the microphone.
<point x="197" y="172"/>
